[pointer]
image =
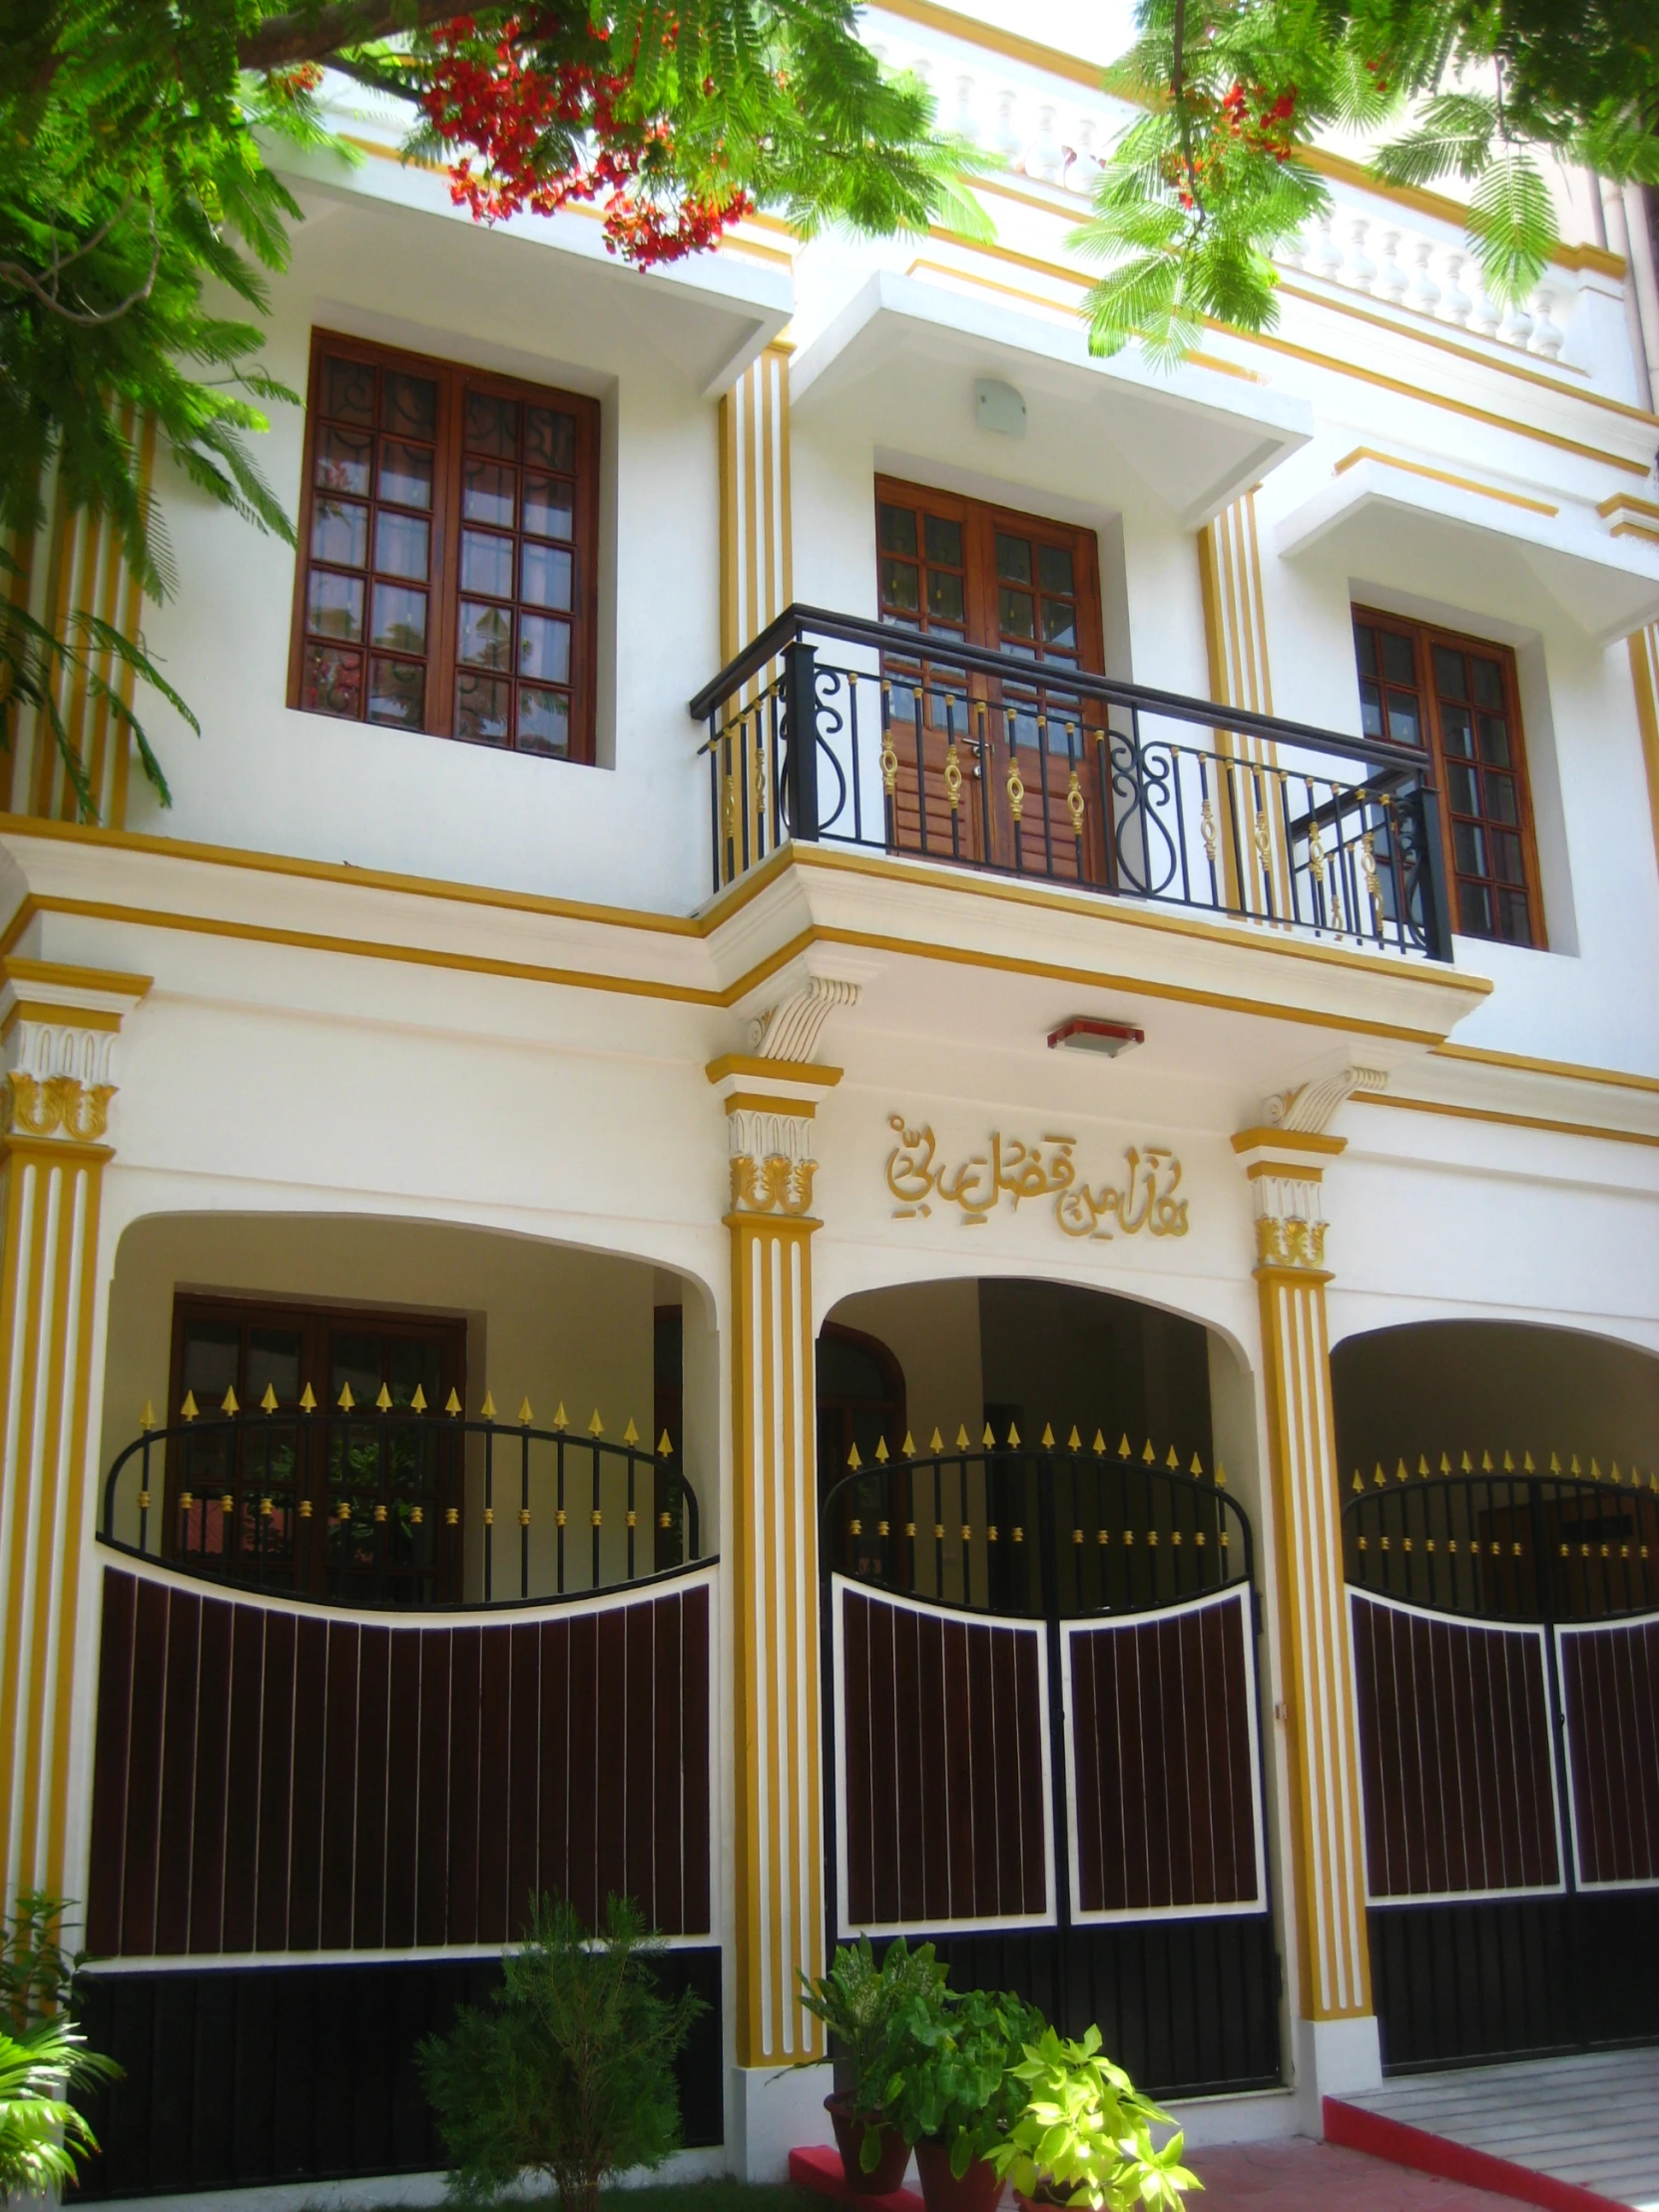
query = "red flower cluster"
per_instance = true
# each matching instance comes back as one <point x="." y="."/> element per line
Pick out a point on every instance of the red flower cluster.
<point x="500" y="109"/>
<point x="1244" y="119"/>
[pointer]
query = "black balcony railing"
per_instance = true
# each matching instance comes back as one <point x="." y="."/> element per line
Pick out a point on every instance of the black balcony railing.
<point x="924" y="747"/>
<point x="398" y="1507"/>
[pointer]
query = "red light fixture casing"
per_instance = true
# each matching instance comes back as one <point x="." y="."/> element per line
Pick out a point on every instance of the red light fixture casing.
<point x="1083" y="1033"/>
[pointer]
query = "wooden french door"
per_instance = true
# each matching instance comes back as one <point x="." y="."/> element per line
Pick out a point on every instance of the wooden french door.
<point x="986" y="766"/>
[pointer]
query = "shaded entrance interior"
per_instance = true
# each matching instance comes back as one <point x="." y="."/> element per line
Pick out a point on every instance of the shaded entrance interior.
<point x="1000" y="1351"/>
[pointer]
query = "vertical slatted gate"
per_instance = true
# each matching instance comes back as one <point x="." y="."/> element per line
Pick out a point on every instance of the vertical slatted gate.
<point x="1047" y="1753"/>
<point x="1507" y="1670"/>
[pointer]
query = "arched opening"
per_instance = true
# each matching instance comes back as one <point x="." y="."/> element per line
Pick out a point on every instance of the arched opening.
<point x="1040" y="1645"/>
<point x="1500" y="1537"/>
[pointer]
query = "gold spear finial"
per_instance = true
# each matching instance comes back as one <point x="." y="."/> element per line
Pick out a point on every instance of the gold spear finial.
<point x="881" y="1452"/>
<point x="908" y="1450"/>
<point x="452" y="1404"/>
<point x="187" y="1412"/>
<point x="853" y="1460"/>
<point x="1049" y="1437"/>
<point x="525" y="1417"/>
<point x="665" y="1445"/>
<point x="630" y="1436"/>
<point x="596" y="1427"/>
<point x="228" y="1403"/>
<point x="267" y="1403"/>
<point x="307" y="1400"/>
<point x="417" y="1403"/>
<point x="382" y="1405"/>
<point x="935" y="1443"/>
<point x="345" y="1400"/>
<point x="559" y="1418"/>
<point x="486" y="1411"/>
<point x="1013" y="1436"/>
<point x="147" y="1420"/>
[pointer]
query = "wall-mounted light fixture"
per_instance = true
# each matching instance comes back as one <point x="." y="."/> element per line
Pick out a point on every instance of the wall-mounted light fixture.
<point x="1083" y="1033"/>
<point x="998" y="407"/>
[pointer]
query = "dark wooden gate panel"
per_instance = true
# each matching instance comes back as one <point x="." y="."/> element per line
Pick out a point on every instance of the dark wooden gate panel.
<point x="944" y="1790"/>
<point x="271" y="1778"/>
<point x="237" y="2077"/>
<point x="1454" y="1755"/>
<point x="1610" y="1695"/>
<point x="1163" y="1764"/>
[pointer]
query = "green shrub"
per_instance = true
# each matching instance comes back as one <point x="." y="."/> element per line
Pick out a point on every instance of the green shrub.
<point x="956" y="2081"/>
<point x="873" y="2013"/>
<point x="569" y="2072"/>
<point x="41" y="2135"/>
<point x="1084" y="2137"/>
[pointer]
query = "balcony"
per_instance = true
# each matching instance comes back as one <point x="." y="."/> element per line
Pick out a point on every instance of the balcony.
<point x="951" y="753"/>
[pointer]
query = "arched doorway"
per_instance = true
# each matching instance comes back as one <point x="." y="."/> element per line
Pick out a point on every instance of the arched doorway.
<point x="1500" y="1527"/>
<point x="1040" y="1668"/>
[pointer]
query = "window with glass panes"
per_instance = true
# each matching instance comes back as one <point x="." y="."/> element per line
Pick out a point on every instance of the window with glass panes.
<point x="1457" y="696"/>
<point x="293" y="1498"/>
<point x="449" y="532"/>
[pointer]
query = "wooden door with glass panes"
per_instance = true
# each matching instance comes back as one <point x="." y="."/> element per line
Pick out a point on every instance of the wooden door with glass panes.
<point x="986" y="763"/>
<point x="349" y="1508"/>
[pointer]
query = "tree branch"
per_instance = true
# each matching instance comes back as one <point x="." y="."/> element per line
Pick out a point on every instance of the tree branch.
<point x="315" y="34"/>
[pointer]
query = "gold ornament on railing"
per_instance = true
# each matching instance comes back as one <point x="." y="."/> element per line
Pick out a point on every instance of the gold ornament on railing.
<point x="889" y="764"/>
<point x="1074" y="803"/>
<point x="1016" y="793"/>
<point x="952" y="776"/>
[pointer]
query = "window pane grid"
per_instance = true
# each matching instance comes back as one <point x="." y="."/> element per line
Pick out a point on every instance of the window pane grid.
<point x="367" y="590"/>
<point x="514" y="650"/>
<point x="1409" y="678"/>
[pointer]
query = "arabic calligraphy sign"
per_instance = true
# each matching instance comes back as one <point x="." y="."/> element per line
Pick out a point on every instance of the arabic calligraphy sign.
<point x="1029" y="1173"/>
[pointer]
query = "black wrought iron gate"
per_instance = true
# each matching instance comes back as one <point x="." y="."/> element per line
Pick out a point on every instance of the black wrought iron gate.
<point x="1506" y="1633"/>
<point x="1041" y="1697"/>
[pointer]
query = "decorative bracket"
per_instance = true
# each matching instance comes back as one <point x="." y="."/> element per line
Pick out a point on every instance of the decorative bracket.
<point x="58" y="1027"/>
<point x="791" y="1029"/>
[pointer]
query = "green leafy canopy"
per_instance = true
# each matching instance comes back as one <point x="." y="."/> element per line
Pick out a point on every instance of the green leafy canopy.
<point x="1201" y="190"/>
<point x="142" y="217"/>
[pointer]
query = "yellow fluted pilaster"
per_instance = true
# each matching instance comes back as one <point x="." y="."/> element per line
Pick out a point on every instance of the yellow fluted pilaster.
<point x="777" y="1824"/>
<point x="58" y="1025"/>
<point x="1285" y="1171"/>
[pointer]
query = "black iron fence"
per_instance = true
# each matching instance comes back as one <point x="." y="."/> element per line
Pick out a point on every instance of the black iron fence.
<point x="950" y="753"/>
<point x="1046" y="1530"/>
<point x="398" y="1506"/>
<point x="1505" y="1545"/>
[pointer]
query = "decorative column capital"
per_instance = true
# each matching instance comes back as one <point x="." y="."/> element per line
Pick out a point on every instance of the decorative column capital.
<point x="58" y="1027"/>
<point x="770" y="1108"/>
<point x="1285" y="1156"/>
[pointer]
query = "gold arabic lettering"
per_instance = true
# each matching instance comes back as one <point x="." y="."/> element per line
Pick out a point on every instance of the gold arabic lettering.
<point x="1019" y="1171"/>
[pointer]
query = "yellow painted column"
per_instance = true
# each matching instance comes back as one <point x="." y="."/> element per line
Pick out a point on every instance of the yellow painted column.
<point x="1643" y="646"/>
<point x="1286" y="1169"/>
<point x="58" y="1025"/>
<point x="777" y="1817"/>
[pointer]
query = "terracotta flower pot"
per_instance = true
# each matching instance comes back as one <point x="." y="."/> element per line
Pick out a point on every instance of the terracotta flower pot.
<point x="980" y="2190"/>
<point x="849" y="2141"/>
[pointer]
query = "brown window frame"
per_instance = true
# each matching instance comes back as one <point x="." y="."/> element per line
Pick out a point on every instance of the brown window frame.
<point x="1425" y="636"/>
<point x="314" y="1323"/>
<point x="454" y="380"/>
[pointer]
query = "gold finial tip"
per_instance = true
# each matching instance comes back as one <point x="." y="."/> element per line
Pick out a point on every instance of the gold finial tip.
<point x="452" y="1404"/>
<point x="962" y="1437"/>
<point x="853" y="1460"/>
<point x="524" y="1414"/>
<point x="1013" y="1436"/>
<point x="345" y="1400"/>
<point x="147" y="1420"/>
<point x="1123" y="1445"/>
<point x="228" y="1403"/>
<point x="1098" y="1447"/>
<point x="267" y="1403"/>
<point x="665" y="1445"/>
<point x="561" y="1420"/>
<point x="486" y="1411"/>
<point x="1074" y="1442"/>
<point x="596" y="1427"/>
<point x="935" y="1443"/>
<point x="307" y="1400"/>
<point x="417" y="1403"/>
<point x="987" y="1440"/>
<point x="630" y="1436"/>
<point x="908" y="1450"/>
<point x="383" y="1403"/>
<point x="881" y="1452"/>
<point x="1049" y="1437"/>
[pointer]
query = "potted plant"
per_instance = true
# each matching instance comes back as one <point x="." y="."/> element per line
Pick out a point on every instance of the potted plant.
<point x="873" y="2014"/>
<point x="957" y="2093"/>
<point x="1084" y="2135"/>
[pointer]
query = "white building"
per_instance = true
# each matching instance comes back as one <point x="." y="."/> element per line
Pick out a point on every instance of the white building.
<point x="550" y="1067"/>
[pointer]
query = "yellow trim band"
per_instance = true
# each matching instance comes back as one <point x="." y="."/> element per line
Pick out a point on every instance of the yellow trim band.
<point x="1441" y="476"/>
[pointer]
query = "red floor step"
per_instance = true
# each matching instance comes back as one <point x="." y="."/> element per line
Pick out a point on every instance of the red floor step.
<point x="820" y="2170"/>
<point x="1358" y="2129"/>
